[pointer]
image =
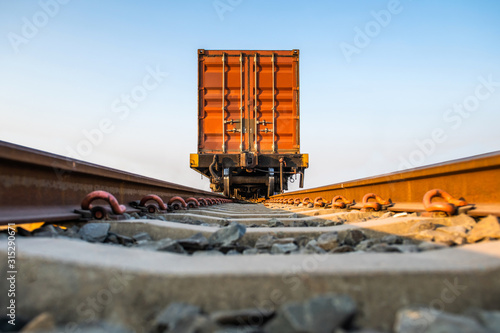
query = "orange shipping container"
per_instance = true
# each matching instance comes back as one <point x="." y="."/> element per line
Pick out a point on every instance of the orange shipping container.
<point x="253" y="96"/>
<point x="248" y="114"/>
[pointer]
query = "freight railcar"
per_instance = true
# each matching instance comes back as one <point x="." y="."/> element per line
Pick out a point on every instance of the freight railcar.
<point x="249" y="121"/>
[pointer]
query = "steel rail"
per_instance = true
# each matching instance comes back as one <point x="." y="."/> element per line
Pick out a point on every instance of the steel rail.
<point x="476" y="179"/>
<point x="37" y="186"/>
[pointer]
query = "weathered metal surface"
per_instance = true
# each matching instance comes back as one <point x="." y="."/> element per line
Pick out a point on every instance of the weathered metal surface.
<point x="33" y="181"/>
<point x="475" y="179"/>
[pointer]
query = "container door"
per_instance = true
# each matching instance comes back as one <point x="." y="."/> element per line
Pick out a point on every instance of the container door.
<point x="221" y="99"/>
<point x="274" y="103"/>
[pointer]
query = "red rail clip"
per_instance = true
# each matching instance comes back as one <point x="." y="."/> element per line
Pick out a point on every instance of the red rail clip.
<point x="153" y="208"/>
<point x="374" y="205"/>
<point x="449" y="207"/>
<point x="192" y="202"/>
<point x="340" y="204"/>
<point x="177" y="203"/>
<point x="106" y="196"/>
<point x="319" y="202"/>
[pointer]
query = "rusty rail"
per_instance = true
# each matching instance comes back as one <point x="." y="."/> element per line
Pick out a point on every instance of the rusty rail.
<point x="37" y="186"/>
<point x="475" y="179"/>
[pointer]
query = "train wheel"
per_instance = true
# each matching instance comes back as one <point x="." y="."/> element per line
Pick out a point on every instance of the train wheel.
<point x="227" y="182"/>
<point x="270" y="186"/>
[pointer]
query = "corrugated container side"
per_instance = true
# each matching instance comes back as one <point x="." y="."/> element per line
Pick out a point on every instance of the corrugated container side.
<point x="239" y="92"/>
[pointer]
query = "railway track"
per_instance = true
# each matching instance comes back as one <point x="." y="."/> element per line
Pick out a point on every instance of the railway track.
<point x="475" y="179"/>
<point x="294" y="266"/>
<point x="38" y="186"/>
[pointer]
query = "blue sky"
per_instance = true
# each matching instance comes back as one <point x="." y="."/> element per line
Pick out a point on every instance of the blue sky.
<point x="421" y="86"/>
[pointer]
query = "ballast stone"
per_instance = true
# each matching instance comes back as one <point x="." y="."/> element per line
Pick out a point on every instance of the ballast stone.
<point x="417" y="320"/>
<point x="169" y="245"/>
<point x="265" y="242"/>
<point x="274" y="223"/>
<point x="48" y="231"/>
<point x="228" y="235"/>
<point x="489" y="227"/>
<point x="321" y="314"/>
<point x="328" y="241"/>
<point x="170" y="317"/>
<point x="354" y="237"/>
<point x="313" y="248"/>
<point x="251" y="316"/>
<point x="142" y="236"/>
<point x="463" y="220"/>
<point x="194" y="243"/>
<point x="94" y="232"/>
<point x="283" y="248"/>
<point x="489" y="319"/>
